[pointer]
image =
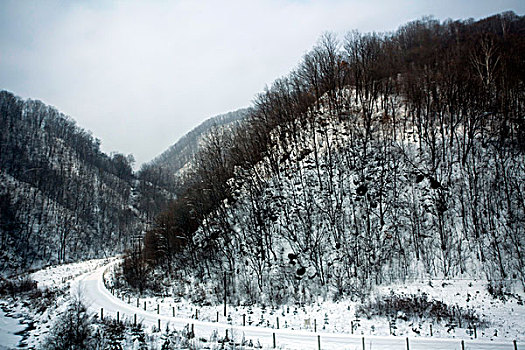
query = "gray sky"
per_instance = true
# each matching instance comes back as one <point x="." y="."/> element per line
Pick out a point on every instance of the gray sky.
<point x="140" y="74"/>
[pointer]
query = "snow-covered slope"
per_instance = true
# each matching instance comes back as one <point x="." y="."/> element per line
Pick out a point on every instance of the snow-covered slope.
<point x="178" y="157"/>
<point x="61" y="198"/>
<point x="381" y="159"/>
<point x="337" y="215"/>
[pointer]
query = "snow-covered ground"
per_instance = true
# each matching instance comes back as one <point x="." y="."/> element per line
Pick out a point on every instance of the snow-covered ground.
<point x="55" y="276"/>
<point x="9" y="327"/>
<point x="16" y="315"/>
<point x="300" y="327"/>
<point x="506" y="319"/>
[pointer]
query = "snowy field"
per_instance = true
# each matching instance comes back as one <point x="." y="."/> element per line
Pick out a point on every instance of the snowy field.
<point x="295" y="326"/>
<point x="59" y="275"/>
<point x="505" y="318"/>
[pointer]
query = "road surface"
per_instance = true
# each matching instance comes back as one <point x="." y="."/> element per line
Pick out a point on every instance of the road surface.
<point x="96" y="296"/>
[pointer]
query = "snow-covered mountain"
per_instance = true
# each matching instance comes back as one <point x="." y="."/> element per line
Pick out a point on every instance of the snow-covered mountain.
<point x="49" y="210"/>
<point x="380" y="158"/>
<point x="61" y="198"/>
<point x="177" y="157"/>
<point x="164" y="177"/>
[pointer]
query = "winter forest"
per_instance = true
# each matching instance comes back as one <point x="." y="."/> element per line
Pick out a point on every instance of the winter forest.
<point x="380" y="160"/>
<point x="62" y="199"/>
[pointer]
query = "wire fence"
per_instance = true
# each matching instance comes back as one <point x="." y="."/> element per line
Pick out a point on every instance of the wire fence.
<point x="279" y="339"/>
<point x="283" y="340"/>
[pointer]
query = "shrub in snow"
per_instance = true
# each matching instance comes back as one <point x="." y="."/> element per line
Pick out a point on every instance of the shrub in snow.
<point x="407" y="307"/>
<point x="138" y="338"/>
<point x="73" y="330"/>
<point x="16" y="286"/>
<point x="198" y="295"/>
<point x="499" y="289"/>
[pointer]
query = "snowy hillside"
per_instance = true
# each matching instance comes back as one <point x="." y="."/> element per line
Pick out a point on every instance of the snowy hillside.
<point x="363" y="167"/>
<point x="177" y="157"/>
<point x="166" y="175"/>
<point x="62" y="199"/>
<point x="339" y="215"/>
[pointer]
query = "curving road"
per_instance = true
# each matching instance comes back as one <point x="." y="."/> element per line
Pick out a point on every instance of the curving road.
<point x="96" y="296"/>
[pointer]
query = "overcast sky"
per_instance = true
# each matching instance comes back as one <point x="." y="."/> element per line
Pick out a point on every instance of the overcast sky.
<point x="140" y="74"/>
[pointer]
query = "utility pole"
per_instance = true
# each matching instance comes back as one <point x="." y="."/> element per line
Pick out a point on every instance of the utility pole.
<point x="225" y="291"/>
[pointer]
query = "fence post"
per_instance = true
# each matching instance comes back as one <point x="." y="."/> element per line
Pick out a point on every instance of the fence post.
<point x="217" y="316"/>
<point x="430" y="330"/>
<point x="277" y="322"/>
<point x="274" y="343"/>
<point x="319" y="342"/>
<point x="196" y="314"/>
<point x="135" y="319"/>
<point x="315" y="325"/>
<point x="352" y="327"/>
<point x="102" y="313"/>
<point x="118" y="318"/>
<point x="408" y="345"/>
<point x="138" y="302"/>
<point x="462" y="345"/>
<point x="159" y="323"/>
<point x="173" y="311"/>
<point x="515" y="344"/>
<point x="475" y="332"/>
<point x="243" y="320"/>
<point x="158" y="309"/>
<point x="363" y="341"/>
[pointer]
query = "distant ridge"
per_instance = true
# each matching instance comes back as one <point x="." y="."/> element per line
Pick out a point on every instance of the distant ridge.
<point x="184" y="150"/>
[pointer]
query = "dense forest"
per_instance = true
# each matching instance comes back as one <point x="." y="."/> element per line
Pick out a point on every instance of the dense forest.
<point x="182" y="154"/>
<point x="61" y="198"/>
<point x="164" y="176"/>
<point x="381" y="157"/>
<point x="49" y="168"/>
